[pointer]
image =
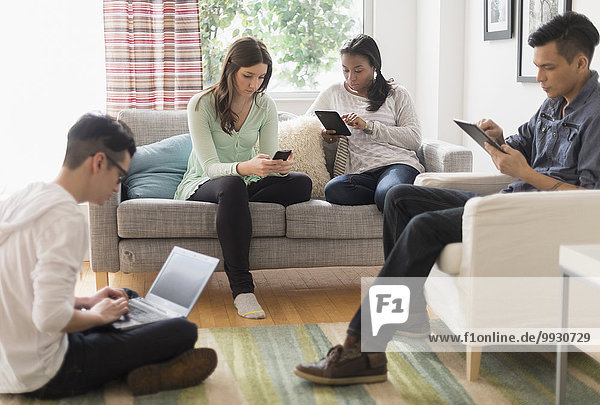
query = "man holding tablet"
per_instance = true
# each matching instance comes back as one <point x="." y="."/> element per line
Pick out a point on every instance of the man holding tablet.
<point x="557" y="149"/>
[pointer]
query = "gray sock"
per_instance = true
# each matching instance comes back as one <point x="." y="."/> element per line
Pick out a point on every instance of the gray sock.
<point x="248" y="307"/>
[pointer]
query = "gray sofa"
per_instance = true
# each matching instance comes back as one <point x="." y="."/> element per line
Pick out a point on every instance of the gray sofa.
<point x="137" y="235"/>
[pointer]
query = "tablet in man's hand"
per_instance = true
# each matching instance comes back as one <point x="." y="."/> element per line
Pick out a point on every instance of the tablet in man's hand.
<point x="477" y="134"/>
<point x="332" y="120"/>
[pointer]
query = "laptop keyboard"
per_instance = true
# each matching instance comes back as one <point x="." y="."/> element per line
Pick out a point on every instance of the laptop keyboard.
<point x="140" y="313"/>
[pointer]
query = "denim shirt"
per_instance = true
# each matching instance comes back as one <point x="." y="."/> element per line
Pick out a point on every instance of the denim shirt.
<point x="565" y="148"/>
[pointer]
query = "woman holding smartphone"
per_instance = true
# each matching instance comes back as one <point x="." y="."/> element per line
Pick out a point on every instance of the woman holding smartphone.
<point x="385" y="129"/>
<point x="225" y="122"/>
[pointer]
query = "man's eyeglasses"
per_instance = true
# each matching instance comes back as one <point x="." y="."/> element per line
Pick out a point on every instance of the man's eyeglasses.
<point x="121" y="178"/>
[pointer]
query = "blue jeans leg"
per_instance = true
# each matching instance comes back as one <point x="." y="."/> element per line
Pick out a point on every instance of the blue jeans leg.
<point x="368" y="187"/>
<point x="99" y="355"/>
<point x="418" y="223"/>
<point x="351" y="189"/>
<point x="392" y="176"/>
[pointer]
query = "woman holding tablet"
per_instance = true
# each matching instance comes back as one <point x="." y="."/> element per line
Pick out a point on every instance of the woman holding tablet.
<point x="225" y="122"/>
<point x="385" y="129"/>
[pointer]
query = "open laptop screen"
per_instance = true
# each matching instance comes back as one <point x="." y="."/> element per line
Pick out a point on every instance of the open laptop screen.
<point x="183" y="277"/>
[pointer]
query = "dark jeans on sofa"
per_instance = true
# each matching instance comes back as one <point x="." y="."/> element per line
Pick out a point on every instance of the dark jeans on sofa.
<point x="368" y="187"/>
<point x="234" y="224"/>
<point x="418" y="222"/>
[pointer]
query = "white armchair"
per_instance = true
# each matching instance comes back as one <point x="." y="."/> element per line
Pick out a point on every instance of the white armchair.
<point x="504" y="235"/>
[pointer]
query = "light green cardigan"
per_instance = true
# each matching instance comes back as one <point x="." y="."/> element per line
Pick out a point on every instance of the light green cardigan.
<point x="214" y="152"/>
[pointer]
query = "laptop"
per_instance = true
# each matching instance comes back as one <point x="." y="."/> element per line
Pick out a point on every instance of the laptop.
<point x="174" y="291"/>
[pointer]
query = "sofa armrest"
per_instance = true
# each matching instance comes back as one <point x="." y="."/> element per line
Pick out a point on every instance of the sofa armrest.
<point x="104" y="238"/>
<point x="440" y="156"/>
<point x="480" y="183"/>
<point x="519" y="234"/>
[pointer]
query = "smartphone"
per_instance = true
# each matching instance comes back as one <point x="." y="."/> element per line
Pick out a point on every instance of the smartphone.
<point x="282" y="154"/>
<point x="332" y="120"/>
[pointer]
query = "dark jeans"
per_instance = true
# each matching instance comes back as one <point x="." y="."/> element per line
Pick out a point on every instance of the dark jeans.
<point x="368" y="187"/>
<point x="234" y="225"/>
<point x="102" y="354"/>
<point x="418" y="222"/>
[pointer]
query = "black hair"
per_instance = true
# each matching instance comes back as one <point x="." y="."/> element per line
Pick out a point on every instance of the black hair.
<point x="365" y="46"/>
<point x="94" y="133"/>
<point x="574" y="33"/>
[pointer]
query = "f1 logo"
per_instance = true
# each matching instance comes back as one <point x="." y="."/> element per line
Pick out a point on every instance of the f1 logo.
<point x="388" y="304"/>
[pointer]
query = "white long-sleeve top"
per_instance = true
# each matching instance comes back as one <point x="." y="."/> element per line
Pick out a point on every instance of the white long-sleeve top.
<point x="43" y="237"/>
<point x="396" y="133"/>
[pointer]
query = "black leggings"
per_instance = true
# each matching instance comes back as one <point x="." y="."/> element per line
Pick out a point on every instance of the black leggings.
<point x="234" y="225"/>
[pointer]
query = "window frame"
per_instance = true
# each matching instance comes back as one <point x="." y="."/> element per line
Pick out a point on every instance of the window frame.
<point x="303" y="95"/>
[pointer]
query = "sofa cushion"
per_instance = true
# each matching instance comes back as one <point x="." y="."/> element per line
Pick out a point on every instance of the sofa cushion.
<point x="157" y="169"/>
<point x="323" y="220"/>
<point x="303" y="135"/>
<point x="163" y="218"/>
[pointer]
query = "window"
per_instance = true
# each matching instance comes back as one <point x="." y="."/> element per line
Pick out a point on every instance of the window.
<point x="303" y="37"/>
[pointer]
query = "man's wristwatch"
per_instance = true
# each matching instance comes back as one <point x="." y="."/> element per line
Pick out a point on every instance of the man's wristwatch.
<point x="369" y="127"/>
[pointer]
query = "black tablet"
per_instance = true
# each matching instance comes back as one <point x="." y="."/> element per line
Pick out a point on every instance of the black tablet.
<point x="332" y="120"/>
<point x="477" y="134"/>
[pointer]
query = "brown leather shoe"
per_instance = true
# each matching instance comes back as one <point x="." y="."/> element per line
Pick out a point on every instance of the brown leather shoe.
<point x="188" y="369"/>
<point x="344" y="367"/>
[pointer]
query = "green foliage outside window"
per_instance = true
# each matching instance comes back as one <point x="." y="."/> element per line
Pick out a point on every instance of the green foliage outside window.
<point x="303" y="36"/>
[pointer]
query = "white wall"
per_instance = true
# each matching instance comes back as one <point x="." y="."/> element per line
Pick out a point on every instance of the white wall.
<point x="51" y="73"/>
<point x="395" y="30"/>
<point x="422" y="44"/>
<point x="427" y="62"/>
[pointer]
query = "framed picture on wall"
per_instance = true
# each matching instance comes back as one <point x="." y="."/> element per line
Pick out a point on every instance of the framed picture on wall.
<point x="497" y="19"/>
<point x="532" y="14"/>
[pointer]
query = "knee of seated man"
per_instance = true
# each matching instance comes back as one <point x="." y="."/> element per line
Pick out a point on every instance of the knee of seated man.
<point x="185" y="331"/>
<point x="398" y="192"/>
<point x="425" y="222"/>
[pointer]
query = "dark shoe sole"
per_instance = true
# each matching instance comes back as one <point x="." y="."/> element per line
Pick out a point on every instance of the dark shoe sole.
<point x="186" y="370"/>
<point x="368" y="379"/>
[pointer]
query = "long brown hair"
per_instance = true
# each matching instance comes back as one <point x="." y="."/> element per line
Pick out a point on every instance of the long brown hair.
<point x="245" y="52"/>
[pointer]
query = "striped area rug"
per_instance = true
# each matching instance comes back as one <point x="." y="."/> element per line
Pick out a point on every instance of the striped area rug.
<point x="256" y="363"/>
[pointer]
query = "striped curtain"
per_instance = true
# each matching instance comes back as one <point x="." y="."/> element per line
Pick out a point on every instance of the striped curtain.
<point x="153" y="54"/>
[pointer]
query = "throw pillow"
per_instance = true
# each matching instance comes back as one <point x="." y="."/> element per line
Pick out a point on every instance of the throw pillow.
<point x="341" y="157"/>
<point x="157" y="169"/>
<point x="302" y="135"/>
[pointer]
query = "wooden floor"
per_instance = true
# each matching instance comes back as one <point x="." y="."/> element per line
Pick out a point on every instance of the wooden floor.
<point x="288" y="296"/>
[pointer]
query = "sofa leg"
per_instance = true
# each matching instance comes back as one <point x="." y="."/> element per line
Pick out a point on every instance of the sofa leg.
<point x="101" y="280"/>
<point x="473" y="362"/>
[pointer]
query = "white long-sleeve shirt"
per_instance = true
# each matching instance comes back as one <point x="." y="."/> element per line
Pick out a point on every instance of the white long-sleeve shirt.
<point x="396" y="133"/>
<point x="43" y="237"/>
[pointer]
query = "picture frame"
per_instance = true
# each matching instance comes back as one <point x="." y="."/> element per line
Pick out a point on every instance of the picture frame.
<point x="529" y="20"/>
<point x="497" y="19"/>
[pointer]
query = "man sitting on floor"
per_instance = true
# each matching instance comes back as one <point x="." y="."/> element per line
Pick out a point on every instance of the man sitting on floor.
<point x="558" y="149"/>
<point x="53" y="344"/>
